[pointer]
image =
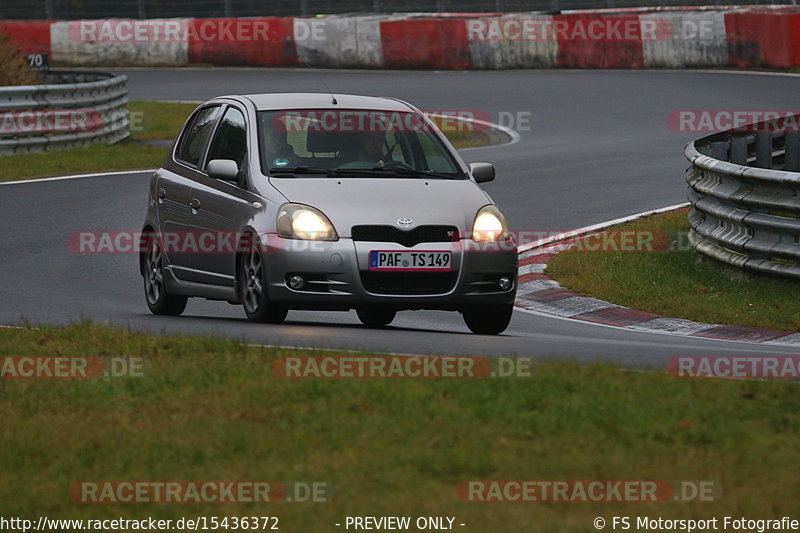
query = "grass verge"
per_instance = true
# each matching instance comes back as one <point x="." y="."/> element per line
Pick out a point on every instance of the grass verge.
<point x="154" y="121"/>
<point x="211" y="409"/>
<point x="678" y="282"/>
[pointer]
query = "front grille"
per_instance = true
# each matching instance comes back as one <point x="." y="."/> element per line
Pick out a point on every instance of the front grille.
<point x="408" y="283"/>
<point x="407" y="238"/>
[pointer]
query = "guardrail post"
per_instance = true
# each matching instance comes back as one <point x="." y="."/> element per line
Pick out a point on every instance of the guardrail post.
<point x="738" y="150"/>
<point x="791" y="140"/>
<point x="763" y="149"/>
<point x="719" y="150"/>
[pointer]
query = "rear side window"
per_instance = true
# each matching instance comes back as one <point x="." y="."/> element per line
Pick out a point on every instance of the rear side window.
<point x="196" y="137"/>
<point x="230" y="141"/>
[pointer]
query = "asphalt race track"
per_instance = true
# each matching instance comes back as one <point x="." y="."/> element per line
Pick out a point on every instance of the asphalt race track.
<point x="597" y="147"/>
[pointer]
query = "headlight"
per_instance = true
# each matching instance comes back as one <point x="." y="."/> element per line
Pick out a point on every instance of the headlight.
<point x="296" y="221"/>
<point x="490" y="225"/>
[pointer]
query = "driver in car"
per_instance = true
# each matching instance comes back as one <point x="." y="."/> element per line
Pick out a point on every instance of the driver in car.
<point x="372" y="147"/>
<point x="368" y="150"/>
<point x="280" y="152"/>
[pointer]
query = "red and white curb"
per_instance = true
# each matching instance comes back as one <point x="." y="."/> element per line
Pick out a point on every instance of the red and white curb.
<point x="540" y="294"/>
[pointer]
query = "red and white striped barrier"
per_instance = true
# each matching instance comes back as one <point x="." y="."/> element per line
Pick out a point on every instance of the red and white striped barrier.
<point x="641" y="38"/>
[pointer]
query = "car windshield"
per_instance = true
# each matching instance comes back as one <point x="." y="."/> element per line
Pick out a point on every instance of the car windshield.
<point x="358" y="143"/>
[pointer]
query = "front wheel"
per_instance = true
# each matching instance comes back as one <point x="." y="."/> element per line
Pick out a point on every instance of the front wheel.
<point x="253" y="289"/>
<point x="491" y="320"/>
<point x="376" y="318"/>
<point x="159" y="301"/>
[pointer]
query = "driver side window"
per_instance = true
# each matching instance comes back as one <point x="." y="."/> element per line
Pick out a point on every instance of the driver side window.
<point x="196" y="137"/>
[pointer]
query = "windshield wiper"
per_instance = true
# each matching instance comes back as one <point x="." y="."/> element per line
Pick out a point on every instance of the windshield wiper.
<point x="415" y="172"/>
<point x="300" y="170"/>
<point x="402" y="172"/>
<point x="378" y="170"/>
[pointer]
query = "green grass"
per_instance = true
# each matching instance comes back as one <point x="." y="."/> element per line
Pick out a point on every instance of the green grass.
<point x="462" y="134"/>
<point x="211" y="409"/>
<point x="150" y="121"/>
<point x="679" y="282"/>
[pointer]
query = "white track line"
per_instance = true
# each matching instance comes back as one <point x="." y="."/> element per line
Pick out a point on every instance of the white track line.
<point x="515" y="136"/>
<point x="79" y="176"/>
<point x="597" y="227"/>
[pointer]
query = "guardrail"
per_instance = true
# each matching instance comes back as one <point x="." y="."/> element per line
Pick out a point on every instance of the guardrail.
<point x="70" y="109"/>
<point x="744" y="187"/>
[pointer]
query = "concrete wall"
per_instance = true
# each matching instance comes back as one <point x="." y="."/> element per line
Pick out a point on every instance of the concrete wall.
<point x="637" y="38"/>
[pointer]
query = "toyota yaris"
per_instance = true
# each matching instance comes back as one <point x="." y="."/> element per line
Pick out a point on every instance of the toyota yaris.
<point x="325" y="202"/>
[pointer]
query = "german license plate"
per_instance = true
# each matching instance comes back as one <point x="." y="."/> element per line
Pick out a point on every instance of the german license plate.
<point x="388" y="260"/>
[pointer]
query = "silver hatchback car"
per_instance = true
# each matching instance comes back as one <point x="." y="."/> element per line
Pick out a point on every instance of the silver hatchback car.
<point x="325" y="202"/>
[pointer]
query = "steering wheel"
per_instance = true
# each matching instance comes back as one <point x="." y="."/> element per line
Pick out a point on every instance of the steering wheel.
<point x="395" y="164"/>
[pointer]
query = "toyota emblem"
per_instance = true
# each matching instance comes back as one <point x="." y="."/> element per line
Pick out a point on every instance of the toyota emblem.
<point x="405" y="223"/>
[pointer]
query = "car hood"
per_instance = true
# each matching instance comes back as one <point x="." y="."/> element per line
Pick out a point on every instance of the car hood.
<point x="352" y="201"/>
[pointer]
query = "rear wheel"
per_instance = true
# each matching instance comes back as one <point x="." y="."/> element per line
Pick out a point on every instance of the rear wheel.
<point x="159" y="300"/>
<point x="253" y="289"/>
<point x="376" y="318"/>
<point x="491" y="320"/>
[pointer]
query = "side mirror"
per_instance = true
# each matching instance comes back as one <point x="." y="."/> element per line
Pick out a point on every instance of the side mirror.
<point x="482" y="172"/>
<point x="223" y="169"/>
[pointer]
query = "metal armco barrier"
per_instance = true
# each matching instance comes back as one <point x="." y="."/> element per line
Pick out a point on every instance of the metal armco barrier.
<point x="744" y="188"/>
<point x="70" y="109"/>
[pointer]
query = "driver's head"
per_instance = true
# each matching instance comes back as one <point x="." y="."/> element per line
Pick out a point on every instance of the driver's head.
<point x="372" y="144"/>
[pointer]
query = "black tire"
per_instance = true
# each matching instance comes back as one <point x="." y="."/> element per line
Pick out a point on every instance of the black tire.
<point x="159" y="301"/>
<point x="376" y="317"/>
<point x="253" y="289"/>
<point x="491" y="320"/>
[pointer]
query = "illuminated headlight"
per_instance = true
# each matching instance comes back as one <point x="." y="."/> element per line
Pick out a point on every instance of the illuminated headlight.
<point x="296" y="221"/>
<point x="489" y="226"/>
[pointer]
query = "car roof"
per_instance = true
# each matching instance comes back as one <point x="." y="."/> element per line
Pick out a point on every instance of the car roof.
<point x="275" y="101"/>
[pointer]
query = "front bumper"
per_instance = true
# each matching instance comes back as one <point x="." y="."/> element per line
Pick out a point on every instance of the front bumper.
<point x="338" y="277"/>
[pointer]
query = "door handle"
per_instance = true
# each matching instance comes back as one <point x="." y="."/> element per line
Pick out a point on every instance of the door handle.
<point x="195" y="203"/>
<point x="161" y="194"/>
